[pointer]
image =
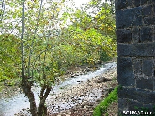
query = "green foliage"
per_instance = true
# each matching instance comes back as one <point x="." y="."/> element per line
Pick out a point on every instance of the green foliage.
<point x="9" y="57"/>
<point x="89" y="38"/>
<point x="101" y="108"/>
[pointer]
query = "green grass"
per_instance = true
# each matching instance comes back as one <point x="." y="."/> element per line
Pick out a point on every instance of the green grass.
<point x="102" y="107"/>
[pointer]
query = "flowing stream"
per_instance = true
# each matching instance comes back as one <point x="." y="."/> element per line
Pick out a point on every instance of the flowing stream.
<point x="10" y="106"/>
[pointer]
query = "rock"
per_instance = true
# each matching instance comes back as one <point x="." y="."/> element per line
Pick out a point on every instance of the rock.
<point x="99" y="99"/>
<point x="72" y="76"/>
<point x="102" y="79"/>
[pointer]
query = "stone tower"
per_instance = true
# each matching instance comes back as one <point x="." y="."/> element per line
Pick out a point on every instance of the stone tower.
<point x="135" y="23"/>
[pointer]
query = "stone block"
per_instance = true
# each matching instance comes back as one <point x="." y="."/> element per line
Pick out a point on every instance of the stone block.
<point x="143" y="83"/>
<point x="148" y="67"/>
<point x="139" y="95"/>
<point x="146" y="34"/>
<point x="145" y="49"/>
<point x="147" y="10"/>
<point x="136" y="3"/>
<point x="121" y="4"/>
<point x="135" y="35"/>
<point x="149" y="20"/>
<point x="129" y="17"/>
<point x="150" y="107"/>
<point x="124" y="36"/>
<point x="137" y="66"/>
<point x="122" y="19"/>
<point x="143" y="2"/>
<point x="153" y="2"/>
<point x="134" y="105"/>
<point x="136" y="50"/>
<point x="129" y="106"/>
<point x="125" y="74"/>
<point x="123" y="49"/>
<point x="122" y="104"/>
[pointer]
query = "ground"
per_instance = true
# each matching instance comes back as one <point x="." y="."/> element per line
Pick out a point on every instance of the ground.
<point x="86" y="107"/>
<point x="86" y="95"/>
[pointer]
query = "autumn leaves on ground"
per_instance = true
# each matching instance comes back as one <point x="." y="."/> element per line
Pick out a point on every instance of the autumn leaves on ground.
<point x="41" y="40"/>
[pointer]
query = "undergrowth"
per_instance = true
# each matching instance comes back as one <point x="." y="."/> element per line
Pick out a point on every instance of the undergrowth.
<point x="102" y="107"/>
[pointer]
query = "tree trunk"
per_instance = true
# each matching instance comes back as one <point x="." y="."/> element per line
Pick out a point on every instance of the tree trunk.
<point x="27" y="90"/>
<point x="42" y="109"/>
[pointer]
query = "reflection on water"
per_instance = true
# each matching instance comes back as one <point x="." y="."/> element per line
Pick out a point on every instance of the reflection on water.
<point x="10" y="106"/>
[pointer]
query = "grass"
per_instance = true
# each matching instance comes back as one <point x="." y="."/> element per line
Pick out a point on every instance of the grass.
<point x="102" y="107"/>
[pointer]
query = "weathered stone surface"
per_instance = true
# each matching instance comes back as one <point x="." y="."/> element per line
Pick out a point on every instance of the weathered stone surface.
<point x="139" y="95"/>
<point x="136" y="3"/>
<point x="146" y="34"/>
<point x="136" y="50"/>
<point x="129" y="17"/>
<point x="125" y="73"/>
<point x="136" y="35"/>
<point x="149" y="20"/>
<point x="135" y="22"/>
<point x="123" y="50"/>
<point x="128" y="107"/>
<point x="124" y="36"/>
<point x="148" y="67"/>
<point x="121" y="4"/>
<point x="143" y="2"/>
<point x="147" y="10"/>
<point x="144" y="83"/>
<point x="137" y="66"/>
<point x="134" y="105"/>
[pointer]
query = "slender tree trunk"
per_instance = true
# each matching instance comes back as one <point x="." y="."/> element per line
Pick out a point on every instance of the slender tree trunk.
<point x="42" y="109"/>
<point x="27" y="90"/>
<point x="26" y="86"/>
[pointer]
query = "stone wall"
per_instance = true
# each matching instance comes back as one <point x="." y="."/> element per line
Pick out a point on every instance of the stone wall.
<point x="135" y="22"/>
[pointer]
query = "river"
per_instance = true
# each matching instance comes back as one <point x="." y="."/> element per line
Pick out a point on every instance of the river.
<point x="15" y="104"/>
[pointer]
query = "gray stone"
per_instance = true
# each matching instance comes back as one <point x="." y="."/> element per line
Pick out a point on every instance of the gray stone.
<point x="137" y="66"/>
<point x="147" y="10"/>
<point x="121" y="4"/>
<point x="136" y="3"/>
<point x="129" y="17"/>
<point x="125" y="72"/>
<point x="136" y="35"/>
<point x="123" y="49"/>
<point x="146" y="34"/>
<point x="148" y="67"/>
<point x="145" y="1"/>
<point x="102" y="79"/>
<point x="139" y="95"/>
<point x="144" y="83"/>
<point x="136" y="50"/>
<point x="149" y="20"/>
<point x="135" y="24"/>
<point x="124" y="36"/>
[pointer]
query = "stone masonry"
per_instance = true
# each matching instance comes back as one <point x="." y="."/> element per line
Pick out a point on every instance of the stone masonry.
<point x="135" y="23"/>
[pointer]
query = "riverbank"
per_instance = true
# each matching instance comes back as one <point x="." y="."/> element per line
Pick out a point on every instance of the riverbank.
<point x="90" y="93"/>
<point x="80" y="98"/>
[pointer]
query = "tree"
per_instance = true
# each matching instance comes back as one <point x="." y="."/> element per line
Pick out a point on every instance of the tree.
<point x="39" y="65"/>
<point x="37" y="33"/>
<point x="93" y="28"/>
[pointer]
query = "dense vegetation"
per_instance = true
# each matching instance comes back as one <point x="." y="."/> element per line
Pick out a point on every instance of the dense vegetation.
<point x="40" y="40"/>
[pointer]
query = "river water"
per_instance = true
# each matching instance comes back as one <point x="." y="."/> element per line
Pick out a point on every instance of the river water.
<point x="15" y="104"/>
